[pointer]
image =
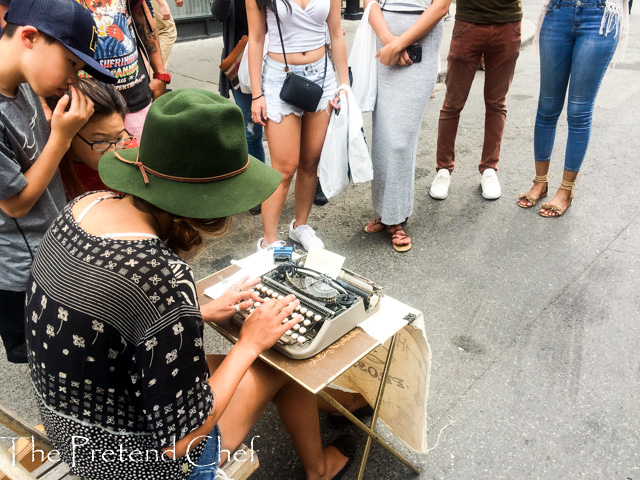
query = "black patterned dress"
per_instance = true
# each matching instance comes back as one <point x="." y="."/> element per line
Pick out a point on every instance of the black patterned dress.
<point x="116" y="353"/>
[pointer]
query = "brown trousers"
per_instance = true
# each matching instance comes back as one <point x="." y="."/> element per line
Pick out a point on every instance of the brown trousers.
<point x="500" y="44"/>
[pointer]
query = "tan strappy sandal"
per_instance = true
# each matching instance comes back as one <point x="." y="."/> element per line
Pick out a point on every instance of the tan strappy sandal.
<point x="564" y="185"/>
<point x="530" y="198"/>
<point x="399" y="239"/>
<point x="375" y="226"/>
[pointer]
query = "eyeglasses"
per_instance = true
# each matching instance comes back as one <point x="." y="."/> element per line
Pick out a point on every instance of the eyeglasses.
<point x="104" y="146"/>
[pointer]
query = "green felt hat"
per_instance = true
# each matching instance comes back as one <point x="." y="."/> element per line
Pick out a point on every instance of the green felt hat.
<point x="193" y="159"/>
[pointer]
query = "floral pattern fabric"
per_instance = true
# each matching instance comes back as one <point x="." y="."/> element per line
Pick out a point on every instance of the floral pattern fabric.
<point x="116" y="354"/>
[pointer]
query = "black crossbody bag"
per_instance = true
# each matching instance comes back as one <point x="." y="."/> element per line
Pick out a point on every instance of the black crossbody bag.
<point x="297" y="90"/>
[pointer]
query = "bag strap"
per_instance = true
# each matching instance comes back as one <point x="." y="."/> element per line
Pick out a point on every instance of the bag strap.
<point x="286" y="65"/>
<point x="275" y="9"/>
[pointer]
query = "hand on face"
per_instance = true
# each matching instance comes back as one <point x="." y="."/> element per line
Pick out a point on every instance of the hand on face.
<point x="66" y="124"/>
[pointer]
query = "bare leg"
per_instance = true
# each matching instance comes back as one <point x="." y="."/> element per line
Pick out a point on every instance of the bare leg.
<point x="351" y="401"/>
<point x="542" y="168"/>
<point x="314" y="129"/>
<point x="562" y="198"/>
<point x="298" y="411"/>
<point x="284" y="147"/>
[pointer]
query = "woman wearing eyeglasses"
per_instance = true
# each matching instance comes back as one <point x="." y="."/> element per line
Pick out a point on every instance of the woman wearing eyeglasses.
<point x="103" y="133"/>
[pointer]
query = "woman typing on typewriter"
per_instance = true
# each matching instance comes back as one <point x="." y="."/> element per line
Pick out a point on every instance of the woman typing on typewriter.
<point x="297" y="37"/>
<point x="116" y="333"/>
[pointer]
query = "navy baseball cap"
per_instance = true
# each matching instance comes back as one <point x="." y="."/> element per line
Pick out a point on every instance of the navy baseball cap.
<point x="68" y="22"/>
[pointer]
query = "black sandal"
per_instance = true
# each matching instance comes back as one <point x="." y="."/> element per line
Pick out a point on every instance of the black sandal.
<point x="338" y="421"/>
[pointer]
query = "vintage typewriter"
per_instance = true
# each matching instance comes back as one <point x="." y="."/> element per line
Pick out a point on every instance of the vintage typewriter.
<point x="330" y="307"/>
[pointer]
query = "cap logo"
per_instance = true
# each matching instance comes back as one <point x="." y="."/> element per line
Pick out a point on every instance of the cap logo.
<point x="94" y="40"/>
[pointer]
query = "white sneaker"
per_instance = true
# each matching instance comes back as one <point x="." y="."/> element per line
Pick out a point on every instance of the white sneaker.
<point x="490" y="185"/>
<point x="305" y="235"/>
<point x="440" y="185"/>
<point x="277" y="243"/>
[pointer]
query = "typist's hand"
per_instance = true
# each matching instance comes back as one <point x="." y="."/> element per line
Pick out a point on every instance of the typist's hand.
<point x="264" y="326"/>
<point x="224" y="307"/>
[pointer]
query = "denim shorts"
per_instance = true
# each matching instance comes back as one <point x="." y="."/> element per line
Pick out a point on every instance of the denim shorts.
<point x="273" y="76"/>
<point x="207" y="465"/>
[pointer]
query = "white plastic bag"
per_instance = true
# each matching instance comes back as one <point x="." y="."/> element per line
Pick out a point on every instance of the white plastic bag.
<point x="364" y="65"/>
<point x="334" y="159"/>
<point x="244" y="81"/>
<point x="360" y="165"/>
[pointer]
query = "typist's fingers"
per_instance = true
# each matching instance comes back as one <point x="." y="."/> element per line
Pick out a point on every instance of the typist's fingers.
<point x="245" y="305"/>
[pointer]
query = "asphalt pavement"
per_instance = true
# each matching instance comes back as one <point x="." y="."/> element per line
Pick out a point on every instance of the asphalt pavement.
<point x="534" y="323"/>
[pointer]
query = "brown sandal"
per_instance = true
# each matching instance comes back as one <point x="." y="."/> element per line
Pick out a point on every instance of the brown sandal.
<point x="530" y="198"/>
<point x="374" y="226"/>
<point x="399" y="239"/>
<point x="564" y="185"/>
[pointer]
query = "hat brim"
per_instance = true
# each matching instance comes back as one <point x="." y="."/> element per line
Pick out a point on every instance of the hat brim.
<point x="221" y="198"/>
<point x="92" y="67"/>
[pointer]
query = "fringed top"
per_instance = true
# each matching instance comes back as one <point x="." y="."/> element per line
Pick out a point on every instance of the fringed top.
<point x="614" y="19"/>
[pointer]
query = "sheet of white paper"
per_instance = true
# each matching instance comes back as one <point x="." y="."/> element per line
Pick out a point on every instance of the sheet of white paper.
<point x="253" y="266"/>
<point x="219" y="288"/>
<point x="388" y="319"/>
<point x="324" y="261"/>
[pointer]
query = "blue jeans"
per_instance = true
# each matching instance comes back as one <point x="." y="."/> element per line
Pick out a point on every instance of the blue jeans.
<point x="253" y="131"/>
<point x="573" y="53"/>
<point x="207" y="464"/>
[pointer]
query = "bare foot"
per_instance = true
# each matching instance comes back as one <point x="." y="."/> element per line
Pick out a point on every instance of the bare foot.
<point x="334" y="461"/>
<point x="536" y="191"/>
<point x="562" y="200"/>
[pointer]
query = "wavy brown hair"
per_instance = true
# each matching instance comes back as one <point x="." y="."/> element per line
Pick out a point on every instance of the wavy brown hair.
<point x="187" y="235"/>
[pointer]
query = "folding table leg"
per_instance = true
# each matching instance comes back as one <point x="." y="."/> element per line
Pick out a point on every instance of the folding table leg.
<point x="370" y="431"/>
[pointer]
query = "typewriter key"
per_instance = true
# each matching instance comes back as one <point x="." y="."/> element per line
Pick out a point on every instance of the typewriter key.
<point x="302" y="339"/>
<point x="308" y="322"/>
<point x="296" y="326"/>
<point x="298" y="308"/>
<point x="294" y="335"/>
<point x="309" y="314"/>
<point x="288" y="332"/>
<point x="317" y="318"/>
<point x="303" y="310"/>
<point x="302" y="330"/>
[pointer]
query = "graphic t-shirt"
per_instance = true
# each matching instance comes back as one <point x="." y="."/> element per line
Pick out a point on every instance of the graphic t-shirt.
<point x="117" y="50"/>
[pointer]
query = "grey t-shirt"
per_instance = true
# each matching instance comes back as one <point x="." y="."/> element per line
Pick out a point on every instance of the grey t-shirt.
<point x="23" y="134"/>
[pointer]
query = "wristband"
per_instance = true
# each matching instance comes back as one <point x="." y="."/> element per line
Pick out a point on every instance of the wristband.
<point x="165" y="77"/>
<point x="256" y="98"/>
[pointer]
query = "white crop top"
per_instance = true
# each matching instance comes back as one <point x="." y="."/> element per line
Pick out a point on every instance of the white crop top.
<point x="303" y="30"/>
<point x="404" y="5"/>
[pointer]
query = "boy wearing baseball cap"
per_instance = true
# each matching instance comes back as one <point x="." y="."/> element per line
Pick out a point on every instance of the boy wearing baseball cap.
<point x="43" y="46"/>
